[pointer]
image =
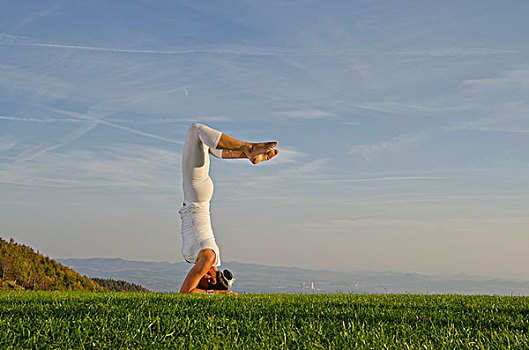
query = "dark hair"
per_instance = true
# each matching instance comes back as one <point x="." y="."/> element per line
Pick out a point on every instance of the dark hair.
<point x="223" y="280"/>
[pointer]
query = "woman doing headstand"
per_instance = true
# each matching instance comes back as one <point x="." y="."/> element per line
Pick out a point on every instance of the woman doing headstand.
<point x="199" y="246"/>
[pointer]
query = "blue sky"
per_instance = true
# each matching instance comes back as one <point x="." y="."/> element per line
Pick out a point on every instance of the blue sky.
<point x="403" y="130"/>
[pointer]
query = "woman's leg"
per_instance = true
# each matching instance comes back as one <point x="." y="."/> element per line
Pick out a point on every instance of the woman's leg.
<point x="226" y="147"/>
<point x="198" y="186"/>
<point x="229" y="154"/>
<point x="247" y="149"/>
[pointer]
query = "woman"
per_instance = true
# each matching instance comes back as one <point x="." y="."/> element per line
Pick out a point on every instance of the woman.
<point x="199" y="246"/>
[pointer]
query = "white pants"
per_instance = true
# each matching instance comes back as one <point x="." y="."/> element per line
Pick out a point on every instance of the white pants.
<point x="197" y="233"/>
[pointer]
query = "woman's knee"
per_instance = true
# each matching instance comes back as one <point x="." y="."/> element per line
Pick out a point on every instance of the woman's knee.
<point x="207" y="256"/>
<point x="196" y="126"/>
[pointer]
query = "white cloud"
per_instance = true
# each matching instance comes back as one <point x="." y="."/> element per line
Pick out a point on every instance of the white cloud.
<point x="507" y="129"/>
<point x="38" y="85"/>
<point x="269" y="183"/>
<point x="35" y="16"/>
<point x="508" y="117"/>
<point x="369" y="152"/>
<point x="6" y="143"/>
<point x="126" y="166"/>
<point x="287" y="155"/>
<point x="74" y="135"/>
<point x="351" y="123"/>
<point x="11" y="39"/>
<point x="379" y="179"/>
<point x="308" y="114"/>
<point x="98" y="121"/>
<point x="474" y="225"/>
<point x="90" y="122"/>
<point x="456" y="51"/>
<point x="513" y="79"/>
<point x="394" y="107"/>
<point x="301" y="170"/>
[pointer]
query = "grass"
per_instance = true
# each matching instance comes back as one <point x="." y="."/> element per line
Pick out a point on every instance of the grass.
<point x="335" y="321"/>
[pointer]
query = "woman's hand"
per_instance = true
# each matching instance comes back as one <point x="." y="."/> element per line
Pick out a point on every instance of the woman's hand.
<point x="225" y="292"/>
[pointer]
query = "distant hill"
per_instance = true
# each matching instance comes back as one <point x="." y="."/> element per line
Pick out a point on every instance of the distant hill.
<point x="119" y="286"/>
<point x="22" y="268"/>
<point x="252" y="278"/>
<point x="155" y="276"/>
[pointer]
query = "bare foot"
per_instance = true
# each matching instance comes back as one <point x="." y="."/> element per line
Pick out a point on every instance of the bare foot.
<point x="255" y="149"/>
<point x="264" y="156"/>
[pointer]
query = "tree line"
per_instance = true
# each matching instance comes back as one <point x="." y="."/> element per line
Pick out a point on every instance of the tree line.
<point x="21" y="268"/>
<point x="119" y="286"/>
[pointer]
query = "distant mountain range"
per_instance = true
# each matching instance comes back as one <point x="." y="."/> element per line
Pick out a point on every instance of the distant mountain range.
<point x="251" y="278"/>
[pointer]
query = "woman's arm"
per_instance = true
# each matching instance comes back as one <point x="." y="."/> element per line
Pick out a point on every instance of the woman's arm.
<point x="202" y="291"/>
<point x="205" y="259"/>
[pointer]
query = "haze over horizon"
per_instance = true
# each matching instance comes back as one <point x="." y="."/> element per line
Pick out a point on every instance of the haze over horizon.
<point x="403" y="130"/>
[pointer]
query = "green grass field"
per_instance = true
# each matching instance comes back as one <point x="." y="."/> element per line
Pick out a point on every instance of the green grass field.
<point x="80" y="320"/>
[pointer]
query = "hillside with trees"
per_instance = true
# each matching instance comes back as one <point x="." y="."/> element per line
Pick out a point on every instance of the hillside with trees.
<point x="21" y="268"/>
<point x="119" y="286"/>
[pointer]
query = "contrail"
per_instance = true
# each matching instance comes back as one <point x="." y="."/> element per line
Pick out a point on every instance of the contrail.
<point x="377" y="179"/>
<point x="167" y="52"/>
<point x="117" y="126"/>
<point x="91" y="123"/>
<point x="138" y="132"/>
<point x="74" y="135"/>
<point x="36" y="120"/>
